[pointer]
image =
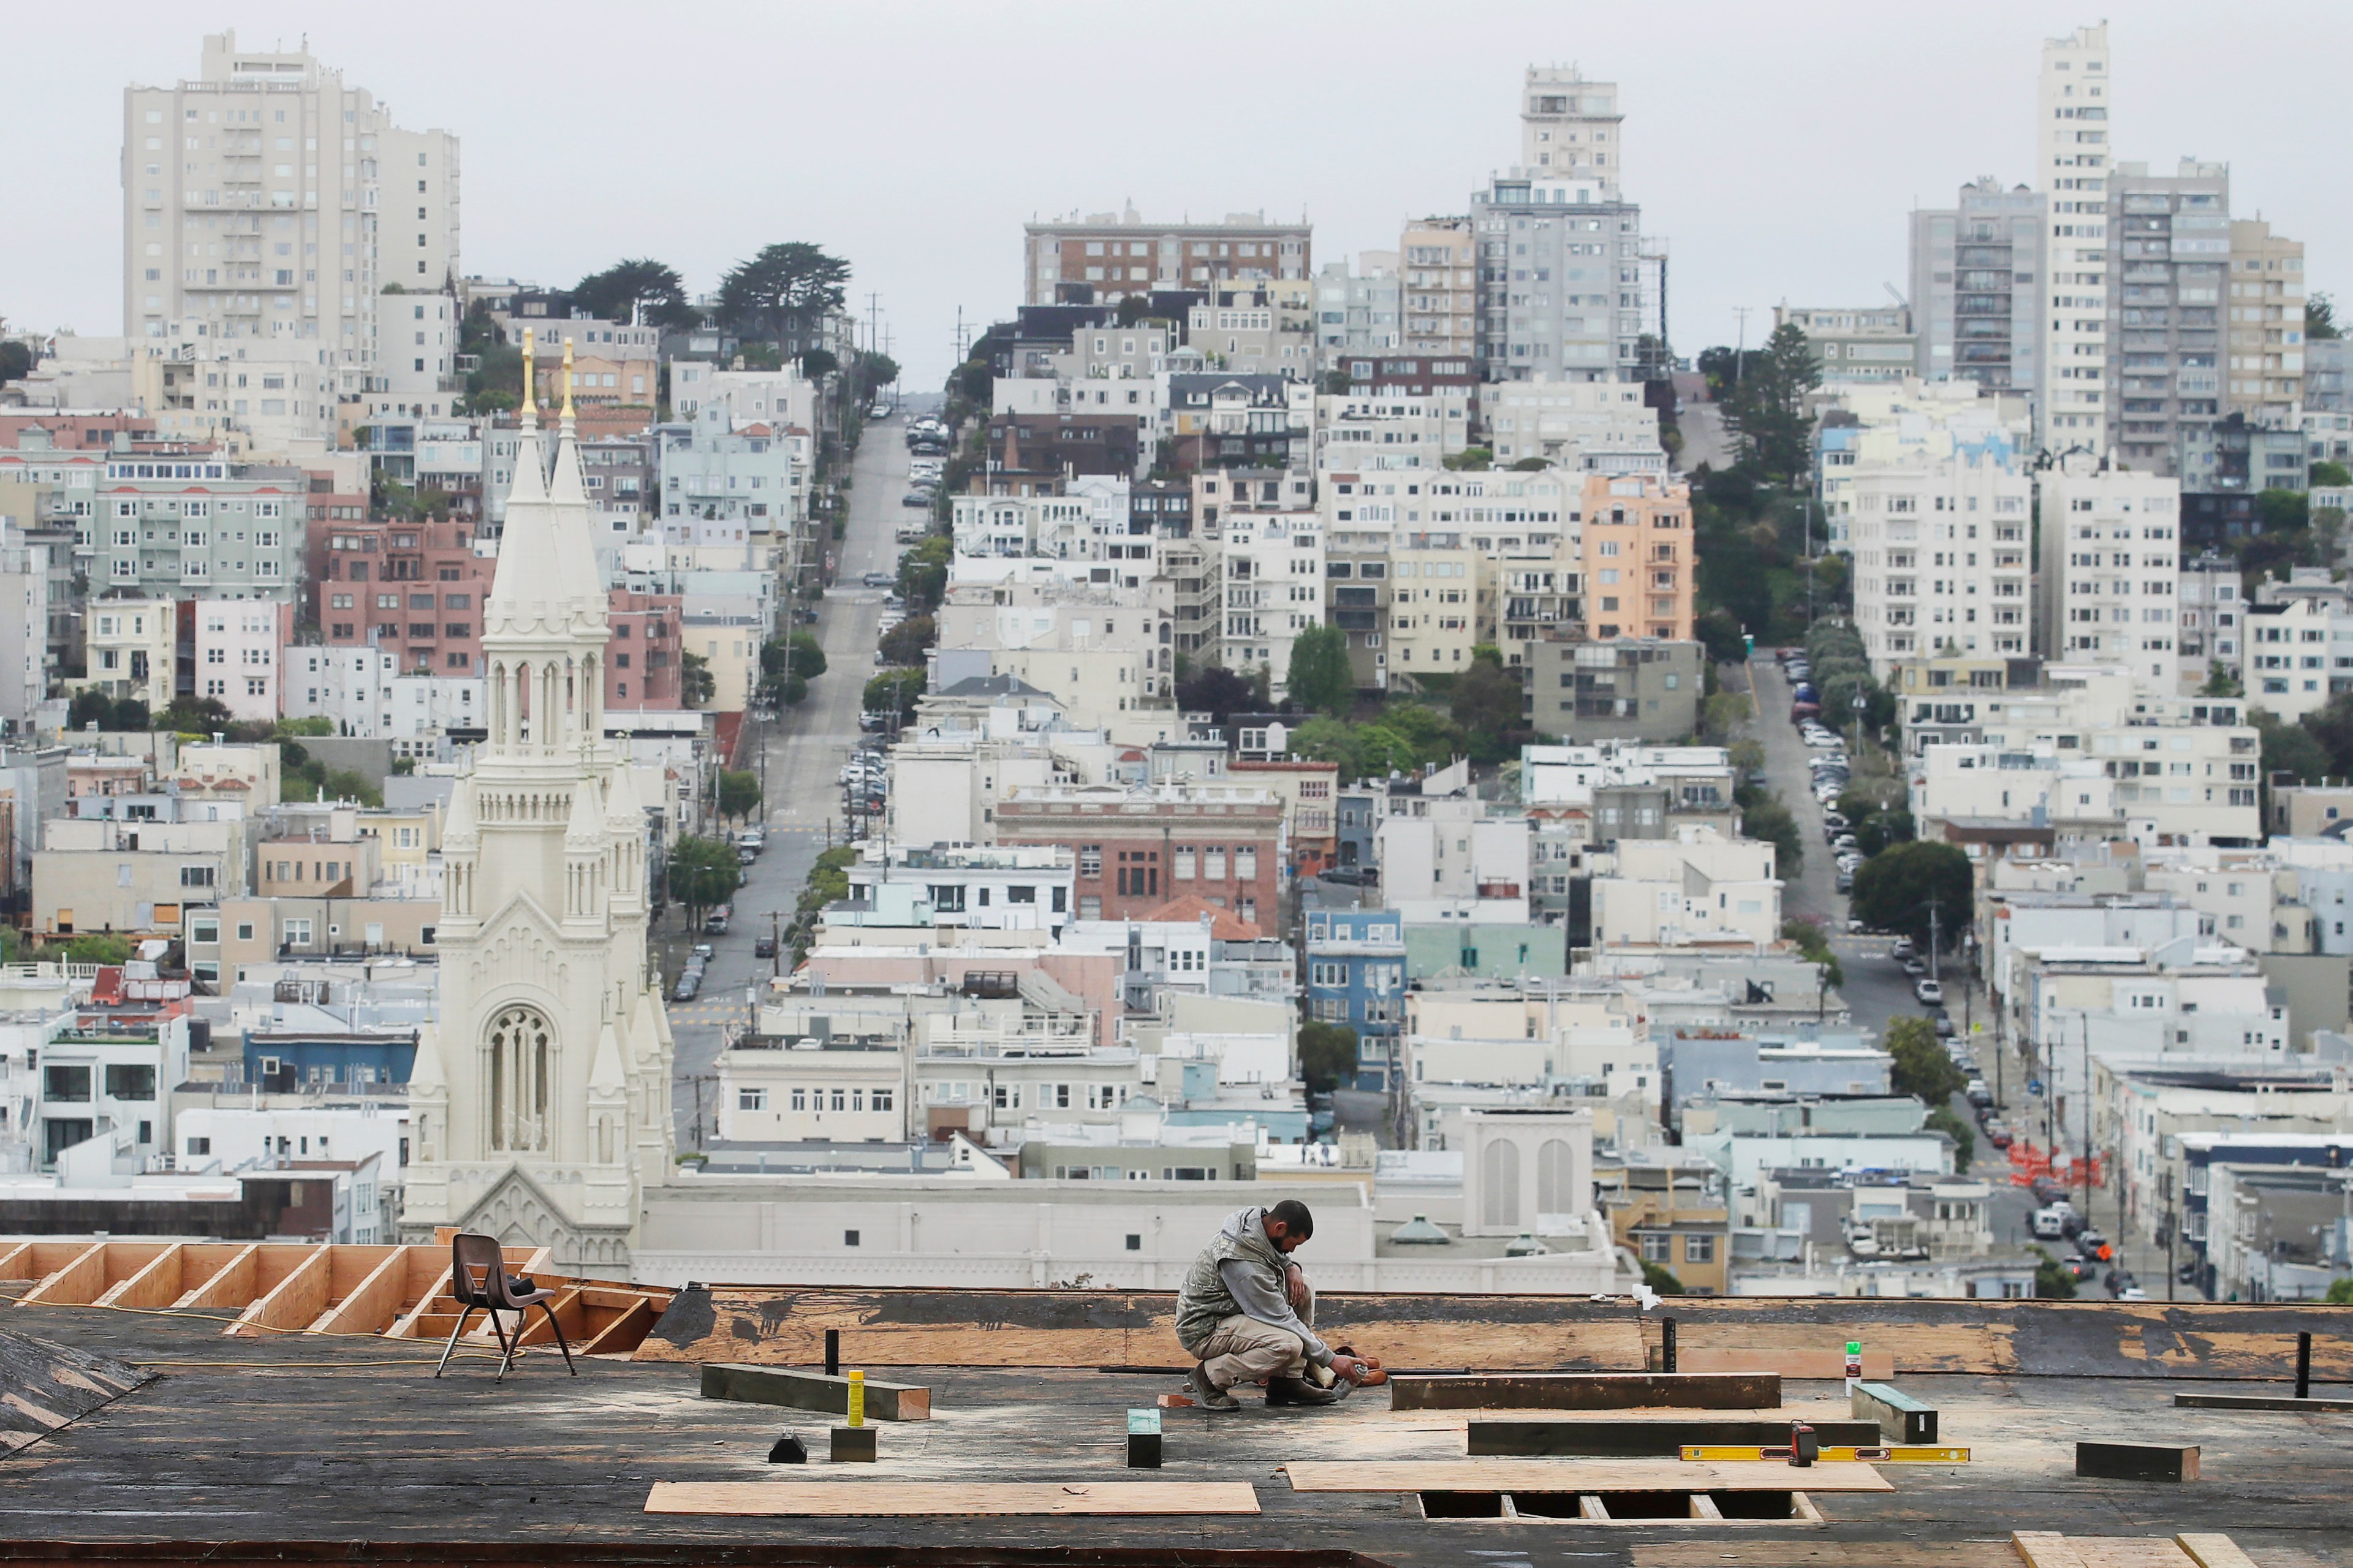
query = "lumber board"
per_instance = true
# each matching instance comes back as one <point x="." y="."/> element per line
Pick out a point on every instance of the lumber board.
<point x="154" y="1284"/>
<point x="75" y="1283"/>
<point x="233" y="1284"/>
<point x="882" y="1499"/>
<point x="44" y="1387"/>
<point x="17" y="1260"/>
<point x="1649" y="1437"/>
<point x="1913" y="1420"/>
<point x="2213" y="1552"/>
<point x="297" y="1299"/>
<point x="1587" y="1391"/>
<point x="406" y="1327"/>
<point x="1597" y="1476"/>
<point x="626" y="1332"/>
<point x="2136" y="1462"/>
<point x="2050" y="1548"/>
<point x="1819" y="1360"/>
<point x="784" y="1325"/>
<point x="801" y="1390"/>
<point x="374" y="1302"/>
<point x="2310" y="1406"/>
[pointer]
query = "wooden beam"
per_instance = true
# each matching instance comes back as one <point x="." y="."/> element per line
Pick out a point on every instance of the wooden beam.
<point x="2213" y="1552"/>
<point x="233" y="1284"/>
<point x="1818" y="1362"/>
<point x="626" y="1332"/>
<point x="569" y="1312"/>
<point x="2137" y="1461"/>
<point x="75" y="1284"/>
<point x="16" y="1258"/>
<point x="156" y="1284"/>
<point x="799" y="1390"/>
<point x="373" y="1304"/>
<point x="410" y="1324"/>
<point x="1592" y="1508"/>
<point x="1659" y="1437"/>
<point x="1564" y="1476"/>
<point x="1587" y="1391"/>
<point x="884" y="1500"/>
<point x="295" y="1302"/>
<point x="1703" y="1506"/>
<point x="774" y="1325"/>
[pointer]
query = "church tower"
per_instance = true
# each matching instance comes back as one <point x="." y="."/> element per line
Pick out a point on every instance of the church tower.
<point x="539" y="1104"/>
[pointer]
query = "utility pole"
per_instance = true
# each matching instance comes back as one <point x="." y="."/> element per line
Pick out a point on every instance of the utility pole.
<point x="775" y="941"/>
<point x="1740" y="355"/>
<point x="1935" y="935"/>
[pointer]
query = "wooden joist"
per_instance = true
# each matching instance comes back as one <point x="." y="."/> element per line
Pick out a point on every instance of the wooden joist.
<point x="86" y="1277"/>
<point x="1576" y="1476"/>
<point x="800" y="1390"/>
<point x="1903" y="1417"/>
<point x="2050" y="1548"/>
<point x="1587" y="1391"/>
<point x="294" y="1302"/>
<point x="234" y="1283"/>
<point x="883" y="1499"/>
<point x="2137" y="1461"/>
<point x="1662" y="1438"/>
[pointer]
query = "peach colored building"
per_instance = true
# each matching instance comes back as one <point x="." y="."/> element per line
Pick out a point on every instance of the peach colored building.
<point x="1640" y="558"/>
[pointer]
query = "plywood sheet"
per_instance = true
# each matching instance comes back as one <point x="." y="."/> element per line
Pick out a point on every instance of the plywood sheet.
<point x="2050" y="1548"/>
<point x="886" y="1499"/>
<point x="44" y="1386"/>
<point x="1579" y="1476"/>
<point x="779" y="1325"/>
<point x="1587" y="1391"/>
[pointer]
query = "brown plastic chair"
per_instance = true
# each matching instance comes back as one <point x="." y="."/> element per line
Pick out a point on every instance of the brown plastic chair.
<point x="479" y="1278"/>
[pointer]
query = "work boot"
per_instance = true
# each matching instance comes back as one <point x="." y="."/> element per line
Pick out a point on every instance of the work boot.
<point x="1211" y="1396"/>
<point x="1299" y="1391"/>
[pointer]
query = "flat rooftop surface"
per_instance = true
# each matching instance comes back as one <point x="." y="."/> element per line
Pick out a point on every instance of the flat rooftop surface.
<point x="323" y="1439"/>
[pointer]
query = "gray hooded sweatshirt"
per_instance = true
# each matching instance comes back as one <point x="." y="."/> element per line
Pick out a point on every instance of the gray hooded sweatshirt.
<point x="1240" y="1271"/>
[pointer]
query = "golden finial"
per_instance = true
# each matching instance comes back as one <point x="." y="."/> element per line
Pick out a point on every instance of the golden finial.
<point x="567" y="378"/>
<point x="530" y="404"/>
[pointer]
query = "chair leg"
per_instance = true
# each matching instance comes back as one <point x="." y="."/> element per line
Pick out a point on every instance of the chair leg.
<point x="452" y="1345"/>
<point x="559" y="1338"/>
<point x="507" y="1344"/>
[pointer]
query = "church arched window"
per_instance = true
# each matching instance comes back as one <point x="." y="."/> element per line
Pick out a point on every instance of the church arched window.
<point x="522" y="1071"/>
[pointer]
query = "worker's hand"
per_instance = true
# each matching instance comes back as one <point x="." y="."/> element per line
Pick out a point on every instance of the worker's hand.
<point x="1349" y="1367"/>
<point x="1295" y="1284"/>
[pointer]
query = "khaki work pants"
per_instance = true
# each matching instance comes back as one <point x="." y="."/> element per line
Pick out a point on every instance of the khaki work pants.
<point x="1240" y="1349"/>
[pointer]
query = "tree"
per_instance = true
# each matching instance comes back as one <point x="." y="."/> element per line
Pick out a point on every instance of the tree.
<point x="876" y="370"/>
<point x="1327" y="1055"/>
<point x="781" y="288"/>
<point x="697" y="684"/>
<point x="702" y="872"/>
<point x="905" y="643"/>
<point x="1486" y="701"/>
<point x="2290" y="749"/>
<point x="2340" y="1292"/>
<point x="2052" y="1282"/>
<point x="2319" y="317"/>
<point x="894" y="691"/>
<point x="1531" y="466"/>
<point x="806" y="657"/>
<point x="739" y="793"/>
<point x="1883" y="828"/>
<point x="795" y="690"/>
<point x="1216" y="691"/>
<point x="1320" y="678"/>
<point x="819" y="364"/>
<point x="1471" y="459"/>
<point x="97" y="947"/>
<point x="91" y="706"/>
<point x="1720" y="631"/>
<point x="1765" y="819"/>
<point x="15" y="362"/>
<point x="924" y="571"/>
<point x="1921" y="1069"/>
<point x="642" y="293"/>
<point x="1767" y="410"/>
<point x="2330" y="475"/>
<point x="195" y="716"/>
<point x="1945" y="1120"/>
<point x="2282" y="512"/>
<point x="1660" y="1280"/>
<point x="1895" y="889"/>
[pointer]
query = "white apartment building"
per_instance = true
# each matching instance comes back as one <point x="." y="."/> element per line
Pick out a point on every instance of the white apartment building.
<point x="2294" y="652"/>
<point x="723" y="486"/>
<point x="416" y="356"/>
<point x="2112" y="569"/>
<point x="1899" y="424"/>
<point x="1273" y="575"/>
<point x="237" y="646"/>
<point x="777" y="1090"/>
<point x="351" y="685"/>
<point x="2210" y="614"/>
<point x="2074" y="159"/>
<point x="25" y="653"/>
<point x="1357" y="310"/>
<point x="1940" y="556"/>
<point x="1568" y="422"/>
<point x="133" y="650"/>
<point x="1699" y="887"/>
<point x="1099" y="648"/>
<point x="1391" y="430"/>
<point x="1439" y="276"/>
<point x="751" y="396"/>
<point x="1089" y="522"/>
<point x="266" y="199"/>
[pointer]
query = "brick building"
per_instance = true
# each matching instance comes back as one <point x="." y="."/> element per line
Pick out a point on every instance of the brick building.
<point x="1078" y="444"/>
<point x="412" y="589"/>
<point x="1140" y="848"/>
<point x="644" y="664"/>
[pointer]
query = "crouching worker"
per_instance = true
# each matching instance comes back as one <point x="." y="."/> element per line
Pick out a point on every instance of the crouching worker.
<point x="1245" y="1314"/>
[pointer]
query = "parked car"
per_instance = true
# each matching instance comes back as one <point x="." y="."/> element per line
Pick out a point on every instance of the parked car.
<point x="704" y="953"/>
<point x="764" y="947"/>
<point x="805" y="617"/>
<point x="1911" y="964"/>
<point x="1844" y="881"/>
<point x="2132" y="1293"/>
<point x="1999" y="1135"/>
<point x="1903" y="948"/>
<point x="753" y="838"/>
<point x="1345" y="876"/>
<point x="878" y="580"/>
<point x="1928" y="991"/>
<point x="1944" y="1026"/>
<point x="688" y="984"/>
<point x="1977" y="1093"/>
<point x="916" y="498"/>
<point x="2076" y="1264"/>
<point x="2044" y="1224"/>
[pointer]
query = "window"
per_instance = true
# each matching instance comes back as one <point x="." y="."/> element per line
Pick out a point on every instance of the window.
<point x="66" y="1082"/>
<point x="750" y="1100"/>
<point x="881" y="1099"/>
<point x="129" y="1080"/>
<point x="1658" y="1248"/>
<point x="197" y="877"/>
<point x="1699" y="1249"/>
<point x="848" y="1239"/>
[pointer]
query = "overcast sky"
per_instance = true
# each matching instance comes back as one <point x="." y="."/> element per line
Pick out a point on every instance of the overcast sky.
<point x="1776" y="147"/>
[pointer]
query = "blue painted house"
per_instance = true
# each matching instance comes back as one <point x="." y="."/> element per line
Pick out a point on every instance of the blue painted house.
<point x="287" y="1060"/>
<point x="1355" y="975"/>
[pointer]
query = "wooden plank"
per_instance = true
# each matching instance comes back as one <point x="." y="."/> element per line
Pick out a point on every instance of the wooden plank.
<point x="1913" y="1421"/>
<point x="2049" y="1549"/>
<point x="411" y="1323"/>
<point x="886" y="1499"/>
<point x="2137" y="1461"/>
<point x="44" y="1387"/>
<point x="155" y="1285"/>
<point x="1788" y="1361"/>
<point x="372" y="1304"/>
<point x="16" y="1261"/>
<point x="813" y="1391"/>
<point x="568" y="1310"/>
<point x="2213" y="1552"/>
<point x="1587" y="1391"/>
<point x="1703" y="1506"/>
<point x="1592" y="1508"/>
<point x="626" y="1332"/>
<point x="2313" y="1406"/>
<point x="296" y="1301"/>
<point x="76" y="1283"/>
<point x="1647" y="1438"/>
<point x="233" y="1284"/>
<point x="783" y="1325"/>
<point x="1575" y="1476"/>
